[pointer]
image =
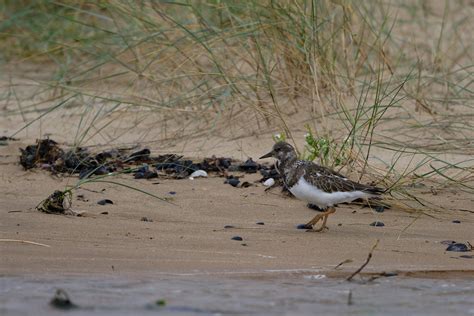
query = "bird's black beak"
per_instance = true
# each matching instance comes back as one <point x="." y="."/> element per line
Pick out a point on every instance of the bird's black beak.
<point x="270" y="154"/>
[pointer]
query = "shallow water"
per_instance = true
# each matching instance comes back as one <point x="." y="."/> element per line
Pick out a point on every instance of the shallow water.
<point x="280" y="294"/>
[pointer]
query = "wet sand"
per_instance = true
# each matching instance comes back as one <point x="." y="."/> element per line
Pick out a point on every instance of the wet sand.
<point x="282" y="294"/>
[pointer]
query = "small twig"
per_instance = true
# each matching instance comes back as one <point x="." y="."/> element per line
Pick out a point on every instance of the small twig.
<point x="343" y="262"/>
<point x="365" y="263"/>
<point x="25" y="242"/>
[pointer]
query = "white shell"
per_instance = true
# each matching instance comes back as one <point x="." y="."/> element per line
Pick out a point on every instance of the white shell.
<point x="197" y="174"/>
<point x="269" y="182"/>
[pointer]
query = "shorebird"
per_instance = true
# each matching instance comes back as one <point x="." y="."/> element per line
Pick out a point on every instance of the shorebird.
<point x="316" y="184"/>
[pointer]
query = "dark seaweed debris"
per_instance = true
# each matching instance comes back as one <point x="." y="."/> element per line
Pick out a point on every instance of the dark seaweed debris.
<point x="61" y="300"/>
<point x="56" y="203"/>
<point x="215" y="164"/>
<point x="45" y="151"/>
<point x="5" y="139"/>
<point x="179" y="168"/>
<point x="141" y="155"/>
<point x="249" y="166"/>
<point x="144" y="172"/>
<point x="268" y="173"/>
<point x="183" y="168"/>
<point x="233" y="181"/>
<point x="47" y="154"/>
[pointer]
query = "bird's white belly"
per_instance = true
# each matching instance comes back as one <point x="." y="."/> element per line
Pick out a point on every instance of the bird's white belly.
<point x="309" y="193"/>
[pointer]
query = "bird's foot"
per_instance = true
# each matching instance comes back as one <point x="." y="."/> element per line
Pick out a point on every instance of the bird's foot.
<point x="319" y="230"/>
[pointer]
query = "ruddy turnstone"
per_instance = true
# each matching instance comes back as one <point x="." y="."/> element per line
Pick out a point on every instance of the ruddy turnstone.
<point x="316" y="184"/>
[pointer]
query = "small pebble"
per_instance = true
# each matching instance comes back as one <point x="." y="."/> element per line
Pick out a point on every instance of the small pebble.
<point x="233" y="182"/>
<point x="457" y="221"/>
<point x="238" y="238"/>
<point x="458" y="247"/>
<point x="260" y="223"/>
<point x="229" y="226"/>
<point x="244" y="244"/>
<point x="269" y="182"/>
<point x="104" y="213"/>
<point x="172" y="192"/>
<point x="377" y="224"/>
<point x="379" y="208"/>
<point x="302" y="226"/>
<point x="105" y="201"/>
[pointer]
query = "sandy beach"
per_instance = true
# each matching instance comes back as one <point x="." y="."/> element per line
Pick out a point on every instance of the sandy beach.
<point x="188" y="236"/>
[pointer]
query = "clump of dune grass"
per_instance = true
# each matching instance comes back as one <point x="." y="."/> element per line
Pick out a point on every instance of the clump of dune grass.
<point x="389" y="82"/>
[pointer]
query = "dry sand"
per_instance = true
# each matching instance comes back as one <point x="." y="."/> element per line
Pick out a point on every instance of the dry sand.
<point x="188" y="236"/>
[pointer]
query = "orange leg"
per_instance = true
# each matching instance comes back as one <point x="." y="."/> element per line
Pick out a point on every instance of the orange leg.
<point x="324" y="216"/>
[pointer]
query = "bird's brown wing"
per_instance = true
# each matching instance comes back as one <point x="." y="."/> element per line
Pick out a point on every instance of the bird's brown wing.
<point x="330" y="181"/>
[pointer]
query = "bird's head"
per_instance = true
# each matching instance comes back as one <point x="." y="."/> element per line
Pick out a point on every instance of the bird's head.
<point x="281" y="151"/>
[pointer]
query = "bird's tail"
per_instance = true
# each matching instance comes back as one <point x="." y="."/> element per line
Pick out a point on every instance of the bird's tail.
<point x="372" y="190"/>
<point x="375" y="190"/>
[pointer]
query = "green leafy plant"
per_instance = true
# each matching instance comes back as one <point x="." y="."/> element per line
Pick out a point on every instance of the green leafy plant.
<point x="325" y="149"/>
<point x="279" y="137"/>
